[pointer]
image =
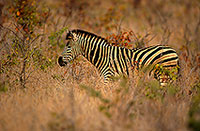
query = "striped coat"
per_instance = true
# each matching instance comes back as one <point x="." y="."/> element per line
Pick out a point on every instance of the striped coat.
<point x="112" y="60"/>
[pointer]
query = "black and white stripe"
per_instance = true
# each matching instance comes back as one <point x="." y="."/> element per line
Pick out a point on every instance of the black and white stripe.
<point x="112" y="60"/>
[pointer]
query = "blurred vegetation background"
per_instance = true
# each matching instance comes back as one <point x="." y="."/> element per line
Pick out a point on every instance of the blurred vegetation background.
<point x="37" y="94"/>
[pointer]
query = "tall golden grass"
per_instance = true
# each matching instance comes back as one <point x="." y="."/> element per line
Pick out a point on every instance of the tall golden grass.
<point x="75" y="98"/>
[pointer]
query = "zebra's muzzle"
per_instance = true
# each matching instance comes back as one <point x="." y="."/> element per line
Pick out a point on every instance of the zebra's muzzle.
<point x="61" y="62"/>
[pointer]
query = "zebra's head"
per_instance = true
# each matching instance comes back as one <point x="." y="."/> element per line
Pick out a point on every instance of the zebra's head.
<point x="71" y="50"/>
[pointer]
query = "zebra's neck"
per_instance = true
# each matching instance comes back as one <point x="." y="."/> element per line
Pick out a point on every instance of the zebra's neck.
<point x="92" y="45"/>
<point x="101" y="54"/>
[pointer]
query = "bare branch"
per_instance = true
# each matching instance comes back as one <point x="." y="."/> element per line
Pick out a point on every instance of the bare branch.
<point x="198" y="24"/>
<point x="119" y="26"/>
<point x="151" y="38"/>
<point x="36" y="38"/>
<point x="18" y="28"/>
<point x="30" y="74"/>
<point x="1" y="26"/>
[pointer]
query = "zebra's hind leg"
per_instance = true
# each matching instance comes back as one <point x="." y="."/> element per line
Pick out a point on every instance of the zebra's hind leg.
<point x="164" y="80"/>
<point x="162" y="77"/>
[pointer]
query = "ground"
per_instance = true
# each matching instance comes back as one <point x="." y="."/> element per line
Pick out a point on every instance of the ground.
<point x="74" y="97"/>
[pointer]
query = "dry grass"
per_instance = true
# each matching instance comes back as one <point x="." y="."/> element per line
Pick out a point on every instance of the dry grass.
<point x="74" y="97"/>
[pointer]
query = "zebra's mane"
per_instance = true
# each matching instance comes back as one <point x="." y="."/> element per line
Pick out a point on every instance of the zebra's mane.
<point x="77" y="31"/>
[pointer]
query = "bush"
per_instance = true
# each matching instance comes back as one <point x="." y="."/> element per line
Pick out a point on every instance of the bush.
<point x="22" y="55"/>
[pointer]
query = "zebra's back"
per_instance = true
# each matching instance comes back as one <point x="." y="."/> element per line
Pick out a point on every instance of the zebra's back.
<point x="162" y="60"/>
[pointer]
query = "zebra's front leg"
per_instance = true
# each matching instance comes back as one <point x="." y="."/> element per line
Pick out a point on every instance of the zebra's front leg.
<point x="108" y="75"/>
<point x="107" y="79"/>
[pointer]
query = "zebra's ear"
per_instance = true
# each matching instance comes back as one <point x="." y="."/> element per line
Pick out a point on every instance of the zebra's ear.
<point x="67" y="43"/>
<point x="69" y="35"/>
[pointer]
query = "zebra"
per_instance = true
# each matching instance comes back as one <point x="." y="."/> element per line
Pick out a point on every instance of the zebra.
<point x="111" y="60"/>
